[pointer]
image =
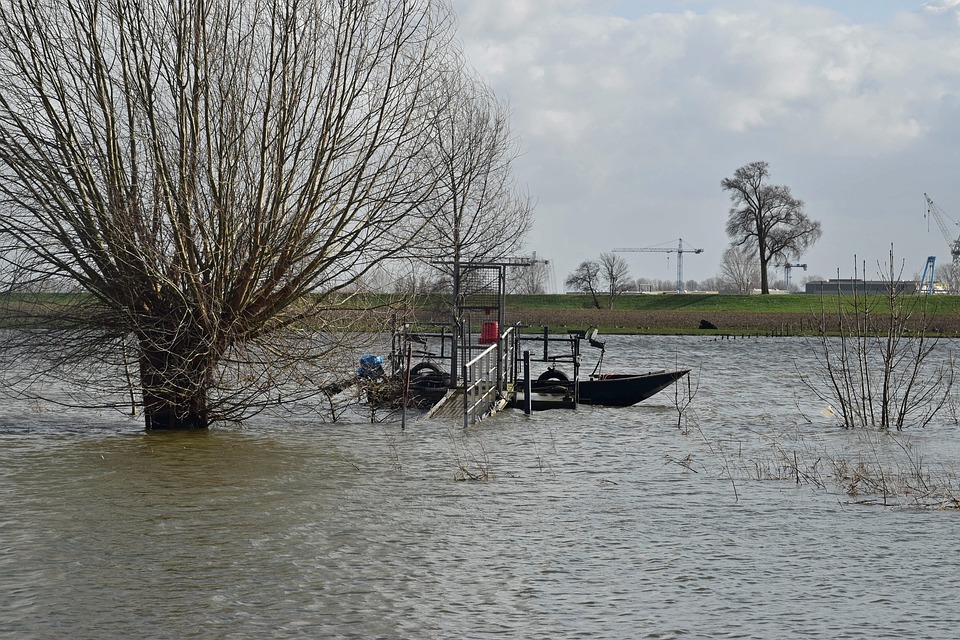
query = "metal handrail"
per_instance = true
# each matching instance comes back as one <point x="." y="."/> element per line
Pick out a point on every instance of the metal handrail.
<point x="486" y="376"/>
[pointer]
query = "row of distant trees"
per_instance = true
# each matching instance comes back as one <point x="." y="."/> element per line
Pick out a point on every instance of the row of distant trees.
<point x="767" y="227"/>
<point x="608" y="277"/>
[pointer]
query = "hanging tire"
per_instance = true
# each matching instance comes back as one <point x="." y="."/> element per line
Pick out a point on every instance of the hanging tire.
<point x="425" y="369"/>
<point x="553" y="374"/>
<point x="428" y="376"/>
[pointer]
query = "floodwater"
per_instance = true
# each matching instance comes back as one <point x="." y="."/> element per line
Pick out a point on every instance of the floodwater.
<point x="598" y="523"/>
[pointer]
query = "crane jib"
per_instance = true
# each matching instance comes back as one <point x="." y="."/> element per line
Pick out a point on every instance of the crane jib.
<point x="680" y="250"/>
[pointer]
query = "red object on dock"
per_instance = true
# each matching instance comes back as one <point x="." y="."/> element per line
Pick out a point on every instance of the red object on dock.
<point x="489" y="333"/>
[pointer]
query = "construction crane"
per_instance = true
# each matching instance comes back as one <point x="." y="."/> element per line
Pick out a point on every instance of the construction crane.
<point x="680" y="250"/>
<point x="933" y="211"/>
<point x="786" y="271"/>
<point x="926" y="283"/>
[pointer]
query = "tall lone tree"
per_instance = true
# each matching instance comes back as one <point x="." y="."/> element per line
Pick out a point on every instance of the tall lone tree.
<point x="209" y="172"/>
<point x="767" y="218"/>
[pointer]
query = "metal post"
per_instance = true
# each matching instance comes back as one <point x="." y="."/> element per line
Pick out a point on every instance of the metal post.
<point x="499" y="356"/>
<point x="576" y="373"/>
<point x="502" y="297"/>
<point x="455" y="326"/>
<point x="406" y="388"/>
<point x="466" y="400"/>
<point x="527" y="385"/>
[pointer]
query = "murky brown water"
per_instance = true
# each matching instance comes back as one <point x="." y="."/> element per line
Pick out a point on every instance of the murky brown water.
<point x="604" y="523"/>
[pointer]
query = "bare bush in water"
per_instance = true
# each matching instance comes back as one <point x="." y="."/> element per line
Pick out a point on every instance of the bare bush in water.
<point x="879" y="372"/>
<point x="877" y="468"/>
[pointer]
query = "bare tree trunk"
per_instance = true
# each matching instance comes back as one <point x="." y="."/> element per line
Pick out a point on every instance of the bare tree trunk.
<point x="169" y="404"/>
<point x="764" y="262"/>
<point x="176" y="375"/>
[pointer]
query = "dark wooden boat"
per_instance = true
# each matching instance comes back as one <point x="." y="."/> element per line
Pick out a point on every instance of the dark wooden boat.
<point x="553" y="390"/>
<point x="625" y="389"/>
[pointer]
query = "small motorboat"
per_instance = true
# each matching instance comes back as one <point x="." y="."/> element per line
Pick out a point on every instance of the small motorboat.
<point x="554" y="390"/>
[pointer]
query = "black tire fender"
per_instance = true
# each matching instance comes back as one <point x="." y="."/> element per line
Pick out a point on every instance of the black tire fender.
<point x="553" y="374"/>
<point x="425" y="369"/>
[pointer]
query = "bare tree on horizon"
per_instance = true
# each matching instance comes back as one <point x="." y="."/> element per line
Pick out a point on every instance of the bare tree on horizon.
<point x="767" y="218"/>
<point x="739" y="269"/>
<point x="586" y="279"/>
<point x="615" y="272"/>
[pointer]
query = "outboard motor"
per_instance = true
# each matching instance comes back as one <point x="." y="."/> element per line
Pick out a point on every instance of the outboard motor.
<point x="592" y="337"/>
<point x="371" y="367"/>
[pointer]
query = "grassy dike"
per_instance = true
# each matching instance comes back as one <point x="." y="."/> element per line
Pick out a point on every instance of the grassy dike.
<point x="658" y="314"/>
<point x="794" y="314"/>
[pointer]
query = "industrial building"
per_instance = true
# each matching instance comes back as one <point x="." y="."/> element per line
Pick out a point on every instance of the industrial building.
<point x="851" y="286"/>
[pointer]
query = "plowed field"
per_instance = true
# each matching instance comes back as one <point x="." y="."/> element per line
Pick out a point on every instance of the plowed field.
<point x="680" y="321"/>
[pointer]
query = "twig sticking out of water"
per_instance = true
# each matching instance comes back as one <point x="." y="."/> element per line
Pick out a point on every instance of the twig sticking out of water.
<point x="719" y="452"/>
<point x="470" y="466"/>
<point x="684" y="391"/>
<point x="463" y="473"/>
<point x="686" y="462"/>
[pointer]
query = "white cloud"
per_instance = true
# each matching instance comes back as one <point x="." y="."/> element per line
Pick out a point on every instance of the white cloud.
<point x="633" y="121"/>
<point x="942" y="6"/>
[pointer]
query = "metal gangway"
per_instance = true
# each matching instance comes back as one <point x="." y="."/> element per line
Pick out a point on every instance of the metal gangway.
<point x="483" y="367"/>
<point x="485" y="383"/>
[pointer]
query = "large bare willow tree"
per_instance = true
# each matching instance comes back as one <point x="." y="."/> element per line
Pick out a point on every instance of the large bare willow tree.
<point x="206" y="173"/>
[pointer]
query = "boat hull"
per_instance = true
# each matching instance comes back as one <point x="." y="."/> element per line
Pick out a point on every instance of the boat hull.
<point x="609" y="390"/>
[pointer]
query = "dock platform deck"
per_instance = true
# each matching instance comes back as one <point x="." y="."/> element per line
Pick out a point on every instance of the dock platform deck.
<point x="451" y="406"/>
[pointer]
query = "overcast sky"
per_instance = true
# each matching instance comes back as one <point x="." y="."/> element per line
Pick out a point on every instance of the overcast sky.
<point x="631" y="112"/>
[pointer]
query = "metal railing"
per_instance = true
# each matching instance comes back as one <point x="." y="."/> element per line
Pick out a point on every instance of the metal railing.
<point x="486" y="378"/>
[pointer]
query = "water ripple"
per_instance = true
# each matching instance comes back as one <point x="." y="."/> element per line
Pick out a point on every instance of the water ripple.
<point x="598" y="523"/>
